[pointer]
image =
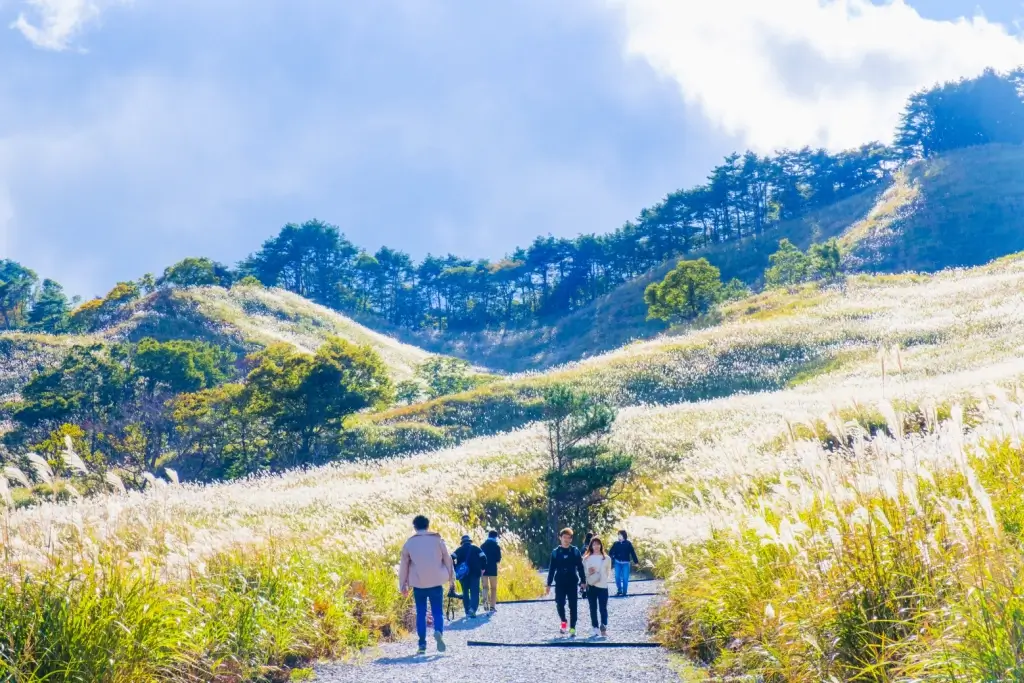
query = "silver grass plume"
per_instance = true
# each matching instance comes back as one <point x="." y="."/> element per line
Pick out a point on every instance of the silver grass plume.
<point x="115" y="482"/>
<point x="13" y="473"/>
<point x="41" y="467"/>
<point x="71" y="458"/>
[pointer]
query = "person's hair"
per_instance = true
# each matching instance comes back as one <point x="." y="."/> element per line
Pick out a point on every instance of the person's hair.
<point x="492" y="534"/>
<point x="565" y="531"/>
<point x="590" y="546"/>
<point x="420" y="523"/>
<point x="625" y="536"/>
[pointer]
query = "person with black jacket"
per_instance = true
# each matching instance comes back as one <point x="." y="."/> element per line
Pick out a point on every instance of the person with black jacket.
<point x="623" y="557"/>
<point x="565" y="573"/>
<point x="492" y="550"/>
<point x="476" y="561"/>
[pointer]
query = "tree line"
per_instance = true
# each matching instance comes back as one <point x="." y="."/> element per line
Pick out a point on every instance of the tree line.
<point x="126" y="406"/>
<point x="745" y="195"/>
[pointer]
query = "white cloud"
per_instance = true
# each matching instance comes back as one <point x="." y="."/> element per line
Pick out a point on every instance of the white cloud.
<point x="785" y="73"/>
<point x="52" y="24"/>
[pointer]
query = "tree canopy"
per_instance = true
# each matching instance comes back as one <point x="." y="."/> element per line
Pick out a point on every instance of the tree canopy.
<point x="196" y="272"/>
<point x="690" y="289"/>
<point x="972" y="111"/>
<point x="16" y="285"/>
<point x="584" y="474"/>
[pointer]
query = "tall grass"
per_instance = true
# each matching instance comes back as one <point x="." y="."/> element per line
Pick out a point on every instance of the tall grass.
<point x="236" y="582"/>
<point x="896" y="558"/>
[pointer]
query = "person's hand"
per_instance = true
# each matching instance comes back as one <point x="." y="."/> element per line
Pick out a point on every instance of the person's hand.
<point x="451" y="586"/>
<point x="547" y="590"/>
<point x="583" y="585"/>
<point x="592" y="570"/>
<point x="405" y="591"/>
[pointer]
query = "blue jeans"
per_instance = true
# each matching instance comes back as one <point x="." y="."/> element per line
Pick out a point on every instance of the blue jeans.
<point x="470" y="594"/>
<point x="622" y="576"/>
<point x="436" y="597"/>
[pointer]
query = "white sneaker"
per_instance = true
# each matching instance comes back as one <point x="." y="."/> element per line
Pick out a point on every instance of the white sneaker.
<point x="594" y="633"/>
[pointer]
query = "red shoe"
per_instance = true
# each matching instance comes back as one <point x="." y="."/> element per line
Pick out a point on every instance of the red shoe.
<point x="565" y="627"/>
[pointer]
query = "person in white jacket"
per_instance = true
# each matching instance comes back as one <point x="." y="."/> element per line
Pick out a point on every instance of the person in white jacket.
<point x="598" y="567"/>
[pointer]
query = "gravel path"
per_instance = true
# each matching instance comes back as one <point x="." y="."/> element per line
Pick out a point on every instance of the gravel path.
<point x="523" y="623"/>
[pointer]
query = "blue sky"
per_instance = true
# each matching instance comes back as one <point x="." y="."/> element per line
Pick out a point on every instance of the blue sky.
<point x="136" y="132"/>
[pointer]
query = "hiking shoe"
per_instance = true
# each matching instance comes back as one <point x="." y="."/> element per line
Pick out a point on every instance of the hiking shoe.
<point x="421" y="650"/>
<point x="604" y="631"/>
<point x="439" y="639"/>
<point x="564" y="628"/>
<point x="572" y="633"/>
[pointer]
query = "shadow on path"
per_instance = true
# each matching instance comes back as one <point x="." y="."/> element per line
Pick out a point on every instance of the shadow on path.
<point x="411" y="659"/>
<point x="467" y="624"/>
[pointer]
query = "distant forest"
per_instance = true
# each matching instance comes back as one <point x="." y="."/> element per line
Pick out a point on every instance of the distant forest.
<point x="746" y="195"/>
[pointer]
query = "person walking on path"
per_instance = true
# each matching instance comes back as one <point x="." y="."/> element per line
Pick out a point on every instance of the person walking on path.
<point x="583" y="551"/>
<point x="474" y="560"/>
<point x="490" y="579"/>
<point x="565" y="573"/>
<point x="598" y="567"/>
<point x="425" y="567"/>
<point x="624" y="556"/>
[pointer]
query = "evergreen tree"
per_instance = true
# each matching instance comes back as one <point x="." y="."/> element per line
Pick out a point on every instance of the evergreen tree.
<point x="443" y="375"/>
<point x="790" y="266"/>
<point x="16" y="286"/>
<point x="691" y="289"/>
<point x="826" y="260"/>
<point x="584" y="474"/>
<point x="49" y="312"/>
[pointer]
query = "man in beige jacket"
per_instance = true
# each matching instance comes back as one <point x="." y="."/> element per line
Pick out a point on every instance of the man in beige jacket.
<point x="425" y="567"/>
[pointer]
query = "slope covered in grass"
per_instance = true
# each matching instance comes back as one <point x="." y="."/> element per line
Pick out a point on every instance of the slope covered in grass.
<point x="621" y="315"/>
<point x="766" y="500"/>
<point x="962" y="209"/>
<point x="768" y="342"/>
<point x="23" y="354"/>
<point x="246" y="318"/>
<point x="958" y="210"/>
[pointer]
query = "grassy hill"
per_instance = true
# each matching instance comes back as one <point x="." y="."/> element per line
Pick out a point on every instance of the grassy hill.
<point x="962" y="209"/>
<point x="767" y="343"/>
<point x="858" y="492"/>
<point x="243" y="319"/>
<point x="247" y="318"/>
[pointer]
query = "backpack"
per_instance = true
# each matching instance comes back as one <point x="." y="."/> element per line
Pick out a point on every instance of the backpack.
<point x="462" y="568"/>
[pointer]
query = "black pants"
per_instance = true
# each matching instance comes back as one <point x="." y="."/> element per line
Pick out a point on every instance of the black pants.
<point x="598" y="599"/>
<point x="563" y="592"/>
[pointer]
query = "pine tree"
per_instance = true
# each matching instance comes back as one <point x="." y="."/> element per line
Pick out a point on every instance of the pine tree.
<point x="49" y="312"/>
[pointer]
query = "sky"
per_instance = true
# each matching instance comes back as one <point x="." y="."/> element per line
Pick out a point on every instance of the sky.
<point x="134" y="133"/>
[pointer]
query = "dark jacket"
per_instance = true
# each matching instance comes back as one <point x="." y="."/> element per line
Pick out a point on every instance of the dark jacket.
<point x="492" y="550"/>
<point x="477" y="560"/>
<point x="566" y="567"/>
<point x="622" y="551"/>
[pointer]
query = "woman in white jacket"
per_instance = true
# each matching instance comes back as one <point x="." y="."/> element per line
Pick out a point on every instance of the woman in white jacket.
<point x="598" y="567"/>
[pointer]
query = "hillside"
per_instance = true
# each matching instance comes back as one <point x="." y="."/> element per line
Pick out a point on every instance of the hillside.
<point x="242" y="319"/>
<point x="961" y="209"/>
<point x="768" y="342"/>
<point x="247" y="318"/>
<point x="717" y="482"/>
<point x="621" y="315"/>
